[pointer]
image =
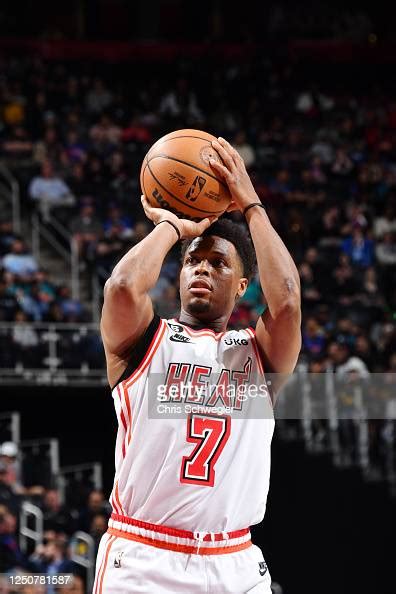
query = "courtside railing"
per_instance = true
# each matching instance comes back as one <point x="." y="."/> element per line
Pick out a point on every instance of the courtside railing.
<point x="36" y="353"/>
<point x="62" y="244"/>
<point x="10" y="427"/>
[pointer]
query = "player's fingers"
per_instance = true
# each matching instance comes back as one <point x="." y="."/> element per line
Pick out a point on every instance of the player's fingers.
<point x="205" y="223"/>
<point x="224" y="154"/>
<point x="221" y="169"/>
<point x="144" y="201"/>
<point x="148" y="209"/>
<point x="232" y="151"/>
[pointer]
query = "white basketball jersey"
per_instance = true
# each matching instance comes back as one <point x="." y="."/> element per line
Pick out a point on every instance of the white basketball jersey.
<point x="205" y="471"/>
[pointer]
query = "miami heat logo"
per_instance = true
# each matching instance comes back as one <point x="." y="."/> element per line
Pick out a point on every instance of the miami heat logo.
<point x="196" y="188"/>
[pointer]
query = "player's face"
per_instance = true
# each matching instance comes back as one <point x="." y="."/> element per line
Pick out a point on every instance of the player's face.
<point x="211" y="278"/>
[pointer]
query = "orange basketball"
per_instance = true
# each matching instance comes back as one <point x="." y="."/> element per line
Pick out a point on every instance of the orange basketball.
<point x="176" y="175"/>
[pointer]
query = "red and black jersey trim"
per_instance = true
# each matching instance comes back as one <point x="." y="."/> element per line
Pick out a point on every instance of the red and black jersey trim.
<point x="140" y="349"/>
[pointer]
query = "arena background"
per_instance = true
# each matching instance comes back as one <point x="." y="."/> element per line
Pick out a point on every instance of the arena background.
<point x="307" y="94"/>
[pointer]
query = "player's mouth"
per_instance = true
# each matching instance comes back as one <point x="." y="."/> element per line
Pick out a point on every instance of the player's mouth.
<point x="200" y="287"/>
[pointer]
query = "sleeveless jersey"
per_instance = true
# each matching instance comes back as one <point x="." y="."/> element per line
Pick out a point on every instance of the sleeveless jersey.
<point x="203" y="471"/>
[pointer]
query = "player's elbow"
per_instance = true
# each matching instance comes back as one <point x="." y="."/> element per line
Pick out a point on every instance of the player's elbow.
<point x="119" y="286"/>
<point x="289" y="307"/>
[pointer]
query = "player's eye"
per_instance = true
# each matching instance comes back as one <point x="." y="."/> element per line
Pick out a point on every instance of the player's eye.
<point x="191" y="260"/>
<point x="218" y="262"/>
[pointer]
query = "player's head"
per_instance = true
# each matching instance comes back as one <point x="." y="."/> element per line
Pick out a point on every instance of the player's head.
<point x="216" y="269"/>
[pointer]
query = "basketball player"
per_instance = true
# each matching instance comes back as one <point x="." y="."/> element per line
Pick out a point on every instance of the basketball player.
<point x="187" y="489"/>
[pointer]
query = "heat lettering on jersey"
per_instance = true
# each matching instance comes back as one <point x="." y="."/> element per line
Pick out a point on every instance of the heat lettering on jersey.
<point x="198" y="384"/>
<point x="192" y="385"/>
<point x="176" y="377"/>
<point x="222" y="390"/>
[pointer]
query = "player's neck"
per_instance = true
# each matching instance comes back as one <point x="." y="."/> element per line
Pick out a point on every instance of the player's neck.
<point x="218" y="325"/>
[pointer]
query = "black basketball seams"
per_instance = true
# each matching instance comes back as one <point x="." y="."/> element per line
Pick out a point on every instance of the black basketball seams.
<point x="205" y="212"/>
<point x="162" y="156"/>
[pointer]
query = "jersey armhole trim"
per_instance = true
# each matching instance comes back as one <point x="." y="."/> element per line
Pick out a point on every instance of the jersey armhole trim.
<point x="139" y="352"/>
<point x="260" y="363"/>
<point x="156" y="341"/>
<point x="256" y="349"/>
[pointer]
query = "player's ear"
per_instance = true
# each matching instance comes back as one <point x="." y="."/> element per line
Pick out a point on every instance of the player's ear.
<point x="243" y="284"/>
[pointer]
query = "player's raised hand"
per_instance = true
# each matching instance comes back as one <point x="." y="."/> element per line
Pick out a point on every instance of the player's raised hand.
<point x="234" y="173"/>
<point x="188" y="229"/>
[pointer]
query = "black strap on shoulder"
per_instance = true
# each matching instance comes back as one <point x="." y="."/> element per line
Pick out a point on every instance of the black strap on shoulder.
<point x="139" y="350"/>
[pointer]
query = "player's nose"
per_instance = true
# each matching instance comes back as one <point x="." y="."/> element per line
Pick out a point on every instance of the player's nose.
<point x="202" y="267"/>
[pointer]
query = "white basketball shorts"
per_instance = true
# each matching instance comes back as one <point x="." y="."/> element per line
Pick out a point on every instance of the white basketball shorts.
<point x="134" y="560"/>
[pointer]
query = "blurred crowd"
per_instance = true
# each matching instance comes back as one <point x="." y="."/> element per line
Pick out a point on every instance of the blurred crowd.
<point x="322" y="158"/>
<point x="87" y="510"/>
<point x="321" y="155"/>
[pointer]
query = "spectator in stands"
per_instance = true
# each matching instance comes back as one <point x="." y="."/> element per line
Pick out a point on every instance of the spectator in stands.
<point x="117" y="224"/>
<point x="25" y="341"/>
<point x="344" y="284"/>
<point x="20" y="262"/>
<point x="342" y="164"/>
<point x="344" y="362"/>
<point x="30" y="303"/>
<point x="96" y="505"/>
<point x="108" y="250"/>
<point x="314" y="339"/>
<point x="51" y="558"/>
<point x="97" y="528"/>
<point x="78" y="180"/>
<point x="8" y="303"/>
<point x="86" y="228"/>
<point x="7" y="236"/>
<point x="386" y="223"/>
<point x="49" y="149"/>
<point x="46" y="290"/>
<point x="105" y="135"/>
<point x="99" y="97"/>
<point x="244" y="149"/>
<point x="136" y="132"/>
<point x="365" y="351"/>
<point x="54" y="313"/>
<point x="309" y="290"/>
<point x="386" y="250"/>
<point x="49" y="191"/>
<point x="181" y="104"/>
<point x="56" y="516"/>
<point x="72" y="309"/>
<point x="8" y="495"/>
<point x="75" y="148"/>
<point x="11" y="556"/>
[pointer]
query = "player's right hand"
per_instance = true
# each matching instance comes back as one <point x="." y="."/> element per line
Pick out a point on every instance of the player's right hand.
<point x="188" y="229"/>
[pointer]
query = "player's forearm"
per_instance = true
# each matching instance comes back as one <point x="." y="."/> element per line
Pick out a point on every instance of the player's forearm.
<point x="278" y="274"/>
<point x="140" y="268"/>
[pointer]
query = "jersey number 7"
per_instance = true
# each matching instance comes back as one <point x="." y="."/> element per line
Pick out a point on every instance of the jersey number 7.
<point x="210" y="434"/>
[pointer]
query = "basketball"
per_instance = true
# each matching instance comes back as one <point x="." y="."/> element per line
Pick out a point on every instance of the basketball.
<point x="176" y="175"/>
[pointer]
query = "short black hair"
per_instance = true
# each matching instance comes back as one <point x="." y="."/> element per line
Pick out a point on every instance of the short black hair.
<point x="239" y="236"/>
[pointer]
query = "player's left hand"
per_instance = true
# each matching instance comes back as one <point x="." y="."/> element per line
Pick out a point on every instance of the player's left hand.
<point x="233" y="171"/>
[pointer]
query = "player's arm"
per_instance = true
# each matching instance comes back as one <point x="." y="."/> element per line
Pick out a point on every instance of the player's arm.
<point x="278" y="330"/>
<point x="127" y="308"/>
